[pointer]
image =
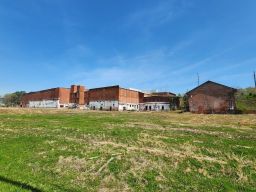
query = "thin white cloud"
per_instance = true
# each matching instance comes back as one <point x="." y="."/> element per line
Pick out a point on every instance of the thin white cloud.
<point x="152" y="70"/>
<point x="195" y="65"/>
<point x="160" y="13"/>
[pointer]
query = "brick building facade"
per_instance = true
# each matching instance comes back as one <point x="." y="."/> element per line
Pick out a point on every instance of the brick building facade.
<point x="77" y="93"/>
<point x="211" y="97"/>
<point x="104" y="98"/>
<point x="160" y="101"/>
<point x="50" y="98"/>
<point x="54" y="98"/>
<point x="113" y="98"/>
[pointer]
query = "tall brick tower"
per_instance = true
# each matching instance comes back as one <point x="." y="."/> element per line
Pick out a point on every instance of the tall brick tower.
<point x="77" y="94"/>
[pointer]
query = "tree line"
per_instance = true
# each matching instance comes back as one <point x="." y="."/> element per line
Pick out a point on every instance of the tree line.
<point x="12" y="99"/>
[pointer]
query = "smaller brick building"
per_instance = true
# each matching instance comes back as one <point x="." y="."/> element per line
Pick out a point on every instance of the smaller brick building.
<point x="160" y="101"/>
<point x="211" y="97"/>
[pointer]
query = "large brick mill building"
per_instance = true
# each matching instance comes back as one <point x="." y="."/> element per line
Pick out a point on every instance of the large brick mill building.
<point x="103" y="98"/>
<point x="49" y="98"/>
<point x="211" y="97"/>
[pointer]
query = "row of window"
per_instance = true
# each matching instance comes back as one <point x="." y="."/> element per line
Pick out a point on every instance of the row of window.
<point x="154" y="107"/>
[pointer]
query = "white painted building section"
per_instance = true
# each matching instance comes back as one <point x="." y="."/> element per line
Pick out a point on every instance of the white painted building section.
<point x="155" y="106"/>
<point x="103" y="105"/>
<point x="128" y="107"/>
<point x="113" y="105"/>
<point x="44" y="104"/>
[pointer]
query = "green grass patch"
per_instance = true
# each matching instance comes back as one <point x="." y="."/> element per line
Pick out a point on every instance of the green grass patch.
<point x="50" y="150"/>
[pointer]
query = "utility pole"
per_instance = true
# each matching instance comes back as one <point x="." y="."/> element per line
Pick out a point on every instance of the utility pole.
<point x="254" y="75"/>
<point x="198" y="79"/>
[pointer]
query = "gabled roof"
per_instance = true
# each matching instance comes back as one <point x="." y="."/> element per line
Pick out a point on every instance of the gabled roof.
<point x="212" y="82"/>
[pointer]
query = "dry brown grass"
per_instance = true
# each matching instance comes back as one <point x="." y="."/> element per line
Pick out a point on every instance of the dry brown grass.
<point x="149" y="150"/>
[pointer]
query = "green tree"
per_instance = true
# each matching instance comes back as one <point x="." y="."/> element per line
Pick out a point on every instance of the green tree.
<point x="184" y="103"/>
<point x="13" y="99"/>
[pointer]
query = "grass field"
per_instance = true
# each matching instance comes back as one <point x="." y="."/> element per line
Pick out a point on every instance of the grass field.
<point x="51" y="150"/>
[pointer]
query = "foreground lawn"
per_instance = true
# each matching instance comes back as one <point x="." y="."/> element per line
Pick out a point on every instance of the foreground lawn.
<point x="51" y="150"/>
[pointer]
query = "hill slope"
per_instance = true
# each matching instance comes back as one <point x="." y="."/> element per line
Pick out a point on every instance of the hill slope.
<point x="246" y="100"/>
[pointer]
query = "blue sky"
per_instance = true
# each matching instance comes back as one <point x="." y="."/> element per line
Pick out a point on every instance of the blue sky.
<point x="145" y="44"/>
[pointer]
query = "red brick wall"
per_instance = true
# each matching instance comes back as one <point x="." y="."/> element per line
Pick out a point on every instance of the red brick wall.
<point x="50" y="94"/>
<point x="211" y="98"/>
<point x="86" y="97"/>
<point x="130" y="96"/>
<point x="73" y="89"/>
<point x="157" y="99"/>
<point x="141" y="97"/>
<point x="64" y="95"/>
<point x="103" y="94"/>
<point x="77" y="94"/>
<point x="114" y="93"/>
<point x="81" y="90"/>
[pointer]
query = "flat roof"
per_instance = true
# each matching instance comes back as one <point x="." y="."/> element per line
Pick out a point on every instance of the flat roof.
<point x="113" y="86"/>
<point x="47" y="90"/>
